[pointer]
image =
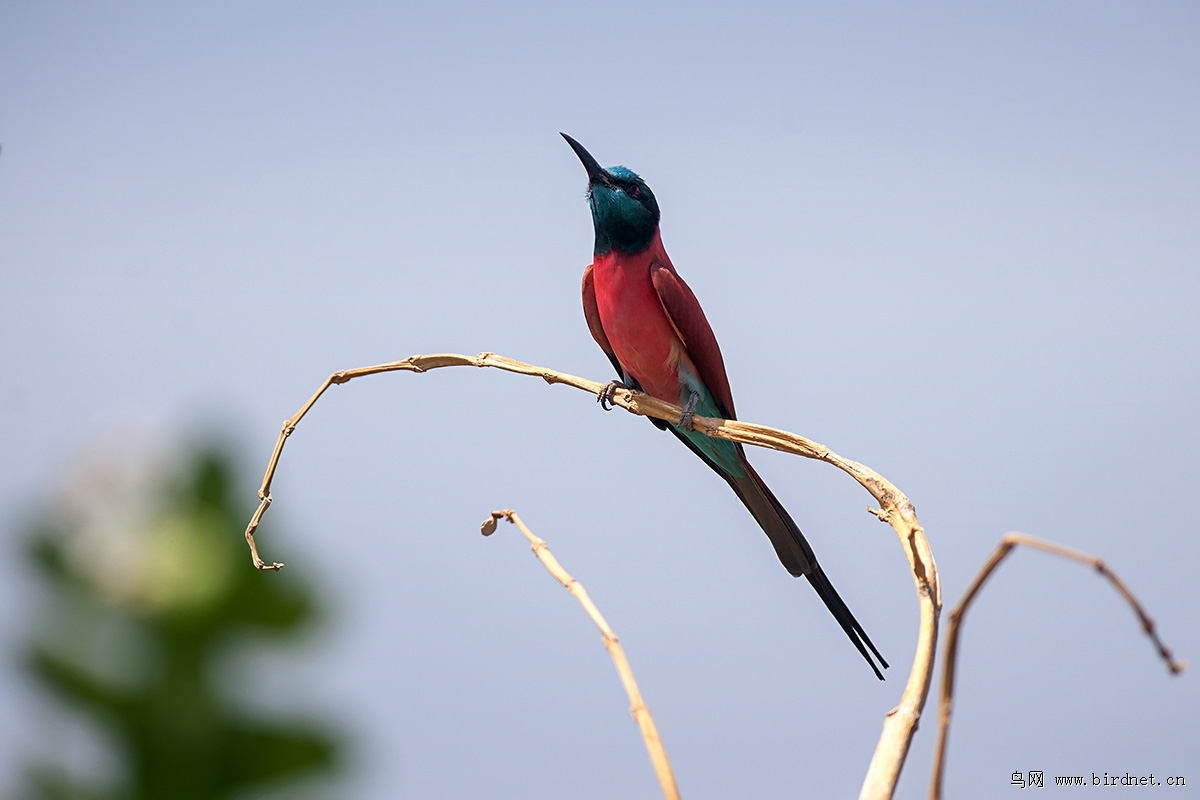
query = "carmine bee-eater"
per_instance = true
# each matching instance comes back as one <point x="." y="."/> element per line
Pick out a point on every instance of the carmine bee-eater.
<point x="649" y="324"/>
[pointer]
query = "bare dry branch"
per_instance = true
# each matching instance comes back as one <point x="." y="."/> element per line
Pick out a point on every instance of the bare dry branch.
<point x="637" y="706"/>
<point x="894" y="508"/>
<point x="1006" y="546"/>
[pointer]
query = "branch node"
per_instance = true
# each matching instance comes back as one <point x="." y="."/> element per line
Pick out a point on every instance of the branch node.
<point x="489" y="525"/>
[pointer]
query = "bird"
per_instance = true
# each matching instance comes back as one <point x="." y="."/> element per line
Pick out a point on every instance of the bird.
<point x="653" y="330"/>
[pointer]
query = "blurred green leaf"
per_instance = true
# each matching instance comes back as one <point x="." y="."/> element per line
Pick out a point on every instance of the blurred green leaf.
<point x="147" y="584"/>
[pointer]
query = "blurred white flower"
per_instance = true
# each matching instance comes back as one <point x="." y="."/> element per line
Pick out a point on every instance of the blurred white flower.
<point x="119" y="536"/>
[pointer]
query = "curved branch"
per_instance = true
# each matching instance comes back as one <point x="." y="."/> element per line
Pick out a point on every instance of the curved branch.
<point x="1007" y="543"/>
<point x="894" y="508"/>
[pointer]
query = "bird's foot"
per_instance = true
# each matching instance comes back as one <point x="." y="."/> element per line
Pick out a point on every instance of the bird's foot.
<point x="689" y="411"/>
<point x="605" y="397"/>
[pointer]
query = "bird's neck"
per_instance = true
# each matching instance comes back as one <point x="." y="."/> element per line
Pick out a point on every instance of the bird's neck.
<point x="615" y="255"/>
<point x="624" y="226"/>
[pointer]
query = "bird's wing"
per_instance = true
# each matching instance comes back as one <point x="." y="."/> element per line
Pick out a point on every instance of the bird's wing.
<point x="592" y="313"/>
<point x="683" y="309"/>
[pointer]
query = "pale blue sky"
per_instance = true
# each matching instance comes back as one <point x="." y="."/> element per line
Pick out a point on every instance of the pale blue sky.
<point x="959" y="245"/>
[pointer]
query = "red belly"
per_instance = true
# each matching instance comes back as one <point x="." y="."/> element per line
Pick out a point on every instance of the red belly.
<point x="637" y="327"/>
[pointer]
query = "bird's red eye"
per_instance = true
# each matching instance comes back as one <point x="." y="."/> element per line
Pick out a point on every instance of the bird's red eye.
<point x="634" y="191"/>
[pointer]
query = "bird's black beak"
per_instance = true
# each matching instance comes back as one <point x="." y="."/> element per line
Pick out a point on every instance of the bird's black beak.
<point x="596" y="173"/>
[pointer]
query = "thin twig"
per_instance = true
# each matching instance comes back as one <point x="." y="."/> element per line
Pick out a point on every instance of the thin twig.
<point x="1006" y="546"/>
<point x="637" y="706"/>
<point x="894" y="508"/>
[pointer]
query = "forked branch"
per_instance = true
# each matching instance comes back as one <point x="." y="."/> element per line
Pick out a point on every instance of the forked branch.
<point x="894" y="508"/>
<point x="1006" y="546"/>
<point x="637" y="706"/>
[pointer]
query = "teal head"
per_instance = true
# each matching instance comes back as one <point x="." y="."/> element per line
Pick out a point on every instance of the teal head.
<point x="624" y="211"/>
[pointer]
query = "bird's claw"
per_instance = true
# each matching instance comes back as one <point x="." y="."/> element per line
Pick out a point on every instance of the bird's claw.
<point x="689" y="411"/>
<point x="605" y="397"/>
